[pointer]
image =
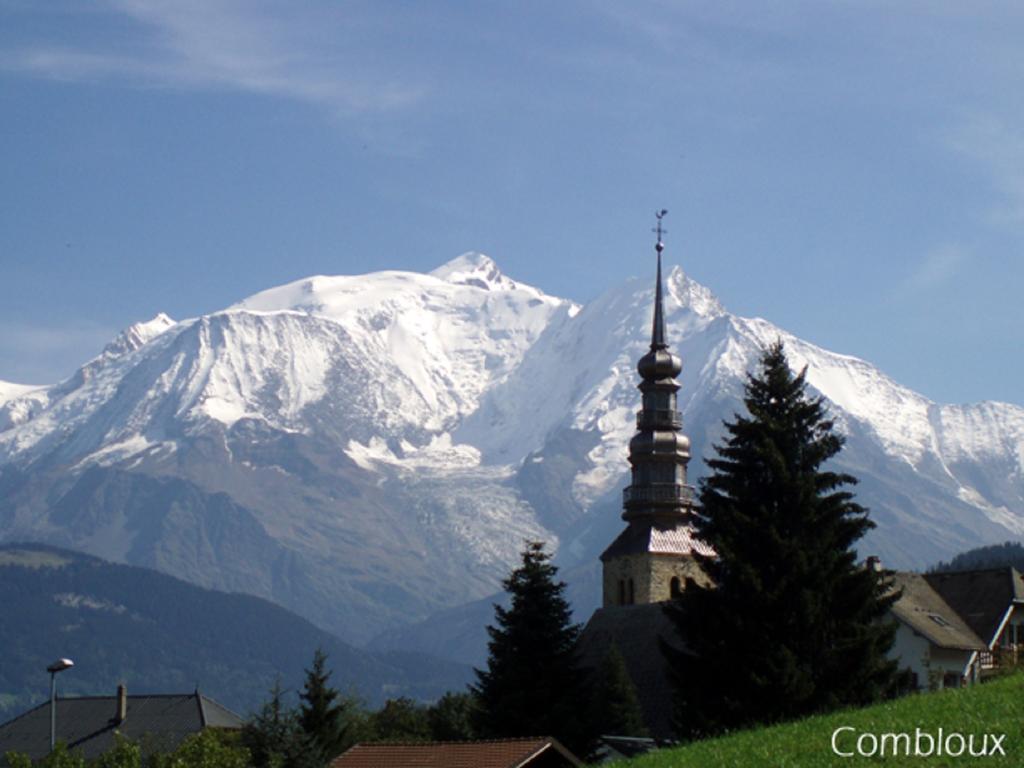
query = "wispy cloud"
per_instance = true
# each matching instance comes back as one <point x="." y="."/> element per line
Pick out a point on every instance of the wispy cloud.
<point x="730" y="44"/>
<point x="248" y="46"/>
<point x="999" y="149"/>
<point x="938" y="267"/>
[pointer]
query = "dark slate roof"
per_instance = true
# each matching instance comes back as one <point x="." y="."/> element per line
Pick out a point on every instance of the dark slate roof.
<point x="87" y="724"/>
<point x="636" y="629"/>
<point x="982" y="598"/>
<point x="659" y="540"/>
<point x="611" y="748"/>
<point x="500" y="753"/>
<point x="922" y="609"/>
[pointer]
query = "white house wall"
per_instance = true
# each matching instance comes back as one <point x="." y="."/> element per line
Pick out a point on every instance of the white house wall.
<point x="915" y="652"/>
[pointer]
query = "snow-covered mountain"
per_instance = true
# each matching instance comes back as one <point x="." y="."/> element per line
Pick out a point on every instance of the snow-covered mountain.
<point x="369" y="450"/>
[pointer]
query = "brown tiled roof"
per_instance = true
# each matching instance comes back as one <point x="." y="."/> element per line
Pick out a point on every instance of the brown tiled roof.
<point x="981" y="597"/>
<point x="500" y="753"/>
<point x="647" y="537"/>
<point x="922" y="609"/>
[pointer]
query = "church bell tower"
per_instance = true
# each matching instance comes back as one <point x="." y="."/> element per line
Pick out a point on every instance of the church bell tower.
<point x="652" y="558"/>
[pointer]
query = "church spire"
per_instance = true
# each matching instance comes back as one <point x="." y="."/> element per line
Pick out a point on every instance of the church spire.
<point x="659" y="452"/>
<point x="653" y="558"/>
<point x="658" y="327"/>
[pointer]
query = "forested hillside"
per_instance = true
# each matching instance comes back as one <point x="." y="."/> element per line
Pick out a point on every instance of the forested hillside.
<point x="993" y="556"/>
<point x="158" y="634"/>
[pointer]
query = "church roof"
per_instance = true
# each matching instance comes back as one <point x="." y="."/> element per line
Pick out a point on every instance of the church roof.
<point x="639" y="536"/>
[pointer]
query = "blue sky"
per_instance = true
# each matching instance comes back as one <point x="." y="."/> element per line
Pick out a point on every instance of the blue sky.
<point x="852" y="171"/>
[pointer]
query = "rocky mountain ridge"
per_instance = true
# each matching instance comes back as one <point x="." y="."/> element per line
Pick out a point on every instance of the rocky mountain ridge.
<point x="369" y="450"/>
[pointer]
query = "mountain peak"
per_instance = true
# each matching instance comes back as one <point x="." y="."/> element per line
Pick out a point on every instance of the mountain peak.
<point x="692" y="295"/>
<point x="138" y="334"/>
<point x="476" y="269"/>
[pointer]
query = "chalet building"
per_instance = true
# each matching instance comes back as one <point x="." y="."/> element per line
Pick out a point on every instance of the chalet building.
<point x="954" y="628"/>
<point x="499" y="753"/>
<point x="932" y="640"/>
<point x="87" y="724"/>
<point x="991" y="603"/>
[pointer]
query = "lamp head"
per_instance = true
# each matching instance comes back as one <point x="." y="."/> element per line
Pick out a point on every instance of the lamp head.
<point x="60" y="665"/>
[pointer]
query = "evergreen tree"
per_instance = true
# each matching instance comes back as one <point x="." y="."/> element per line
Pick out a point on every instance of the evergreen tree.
<point x="616" y="709"/>
<point x="275" y="739"/>
<point x="792" y="624"/>
<point x="452" y="717"/>
<point x="322" y="713"/>
<point x="401" y="719"/>
<point x="1007" y="554"/>
<point x="533" y="685"/>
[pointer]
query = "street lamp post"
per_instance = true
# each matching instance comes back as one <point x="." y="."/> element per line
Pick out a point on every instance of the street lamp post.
<point x="58" y="666"/>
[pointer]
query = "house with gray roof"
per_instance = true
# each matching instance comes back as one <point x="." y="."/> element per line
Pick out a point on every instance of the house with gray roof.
<point x="991" y="603"/>
<point x="87" y="724"/>
<point x="933" y="641"/>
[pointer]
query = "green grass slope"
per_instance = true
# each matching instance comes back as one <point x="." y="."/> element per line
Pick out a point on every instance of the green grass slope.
<point x="158" y="634"/>
<point x="996" y="707"/>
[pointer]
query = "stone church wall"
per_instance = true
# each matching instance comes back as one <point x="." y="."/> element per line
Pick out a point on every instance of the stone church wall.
<point x="650" y="575"/>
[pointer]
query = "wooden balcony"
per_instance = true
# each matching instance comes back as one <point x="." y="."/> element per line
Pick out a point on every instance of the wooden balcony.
<point x="1001" y="658"/>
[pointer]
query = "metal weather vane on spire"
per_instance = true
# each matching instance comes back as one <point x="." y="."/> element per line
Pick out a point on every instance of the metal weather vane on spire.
<point x="659" y="215"/>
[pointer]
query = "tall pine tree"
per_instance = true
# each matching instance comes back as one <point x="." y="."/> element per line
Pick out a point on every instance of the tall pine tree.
<point x="615" y="708"/>
<point x="275" y="739"/>
<point x="322" y="713"/>
<point x="533" y="684"/>
<point x="792" y="624"/>
<point x="453" y="717"/>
